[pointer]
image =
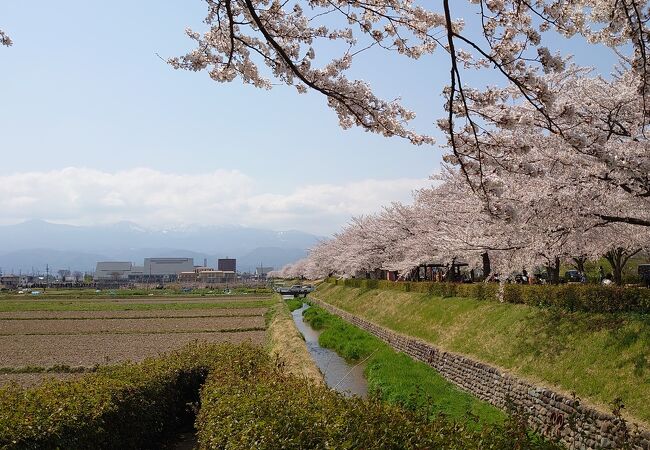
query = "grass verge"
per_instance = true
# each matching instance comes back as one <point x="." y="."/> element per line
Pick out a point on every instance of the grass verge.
<point x="288" y="346"/>
<point x="395" y="377"/>
<point x="600" y="357"/>
<point x="294" y="303"/>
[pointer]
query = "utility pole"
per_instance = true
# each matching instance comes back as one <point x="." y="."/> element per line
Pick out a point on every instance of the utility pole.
<point x="47" y="276"/>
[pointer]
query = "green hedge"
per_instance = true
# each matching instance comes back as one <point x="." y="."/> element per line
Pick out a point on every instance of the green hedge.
<point x="246" y="403"/>
<point x="270" y="410"/>
<point x="129" y="406"/>
<point x="573" y="297"/>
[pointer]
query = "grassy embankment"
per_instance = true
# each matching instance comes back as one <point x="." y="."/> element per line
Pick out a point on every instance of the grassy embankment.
<point x="600" y="357"/>
<point x="395" y="377"/>
<point x="287" y="345"/>
<point x="294" y="303"/>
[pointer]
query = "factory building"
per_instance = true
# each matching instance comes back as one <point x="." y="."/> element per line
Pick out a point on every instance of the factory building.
<point x="153" y="270"/>
<point x="203" y="276"/>
<point x="227" y="264"/>
<point x="166" y="268"/>
<point x="113" y="270"/>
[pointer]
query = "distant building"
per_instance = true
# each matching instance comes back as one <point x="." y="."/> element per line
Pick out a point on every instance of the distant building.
<point x="9" y="281"/>
<point x="227" y="264"/>
<point x="262" y="272"/>
<point x="166" y="268"/>
<point x="206" y="276"/>
<point x="113" y="270"/>
<point x="154" y="269"/>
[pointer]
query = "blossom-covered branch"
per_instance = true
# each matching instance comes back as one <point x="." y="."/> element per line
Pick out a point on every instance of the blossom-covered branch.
<point x="246" y="35"/>
<point x="283" y="39"/>
<point x="4" y="39"/>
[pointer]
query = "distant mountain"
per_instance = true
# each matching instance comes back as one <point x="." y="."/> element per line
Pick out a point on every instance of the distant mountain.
<point x="35" y="243"/>
<point x="35" y="260"/>
<point x="269" y="257"/>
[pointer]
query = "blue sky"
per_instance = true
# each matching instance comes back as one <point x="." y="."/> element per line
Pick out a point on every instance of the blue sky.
<point x="83" y="88"/>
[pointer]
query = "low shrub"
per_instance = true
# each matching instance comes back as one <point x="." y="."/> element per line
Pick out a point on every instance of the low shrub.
<point x="572" y="297"/>
<point x="270" y="410"/>
<point x="129" y="406"/>
<point x="246" y="403"/>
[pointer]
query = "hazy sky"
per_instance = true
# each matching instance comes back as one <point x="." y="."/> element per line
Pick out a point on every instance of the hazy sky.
<point x="94" y="127"/>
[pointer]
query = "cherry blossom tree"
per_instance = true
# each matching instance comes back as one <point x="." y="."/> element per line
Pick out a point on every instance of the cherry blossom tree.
<point x="600" y="167"/>
<point x="448" y="223"/>
<point x="245" y="36"/>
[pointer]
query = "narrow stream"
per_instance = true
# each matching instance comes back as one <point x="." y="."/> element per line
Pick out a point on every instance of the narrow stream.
<point x="338" y="374"/>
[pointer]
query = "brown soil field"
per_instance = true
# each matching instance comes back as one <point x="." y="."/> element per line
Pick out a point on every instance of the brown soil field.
<point x="144" y="299"/>
<point x="212" y="312"/>
<point x="32" y="379"/>
<point x="190" y="324"/>
<point x="150" y="300"/>
<point x="89" y="350"/>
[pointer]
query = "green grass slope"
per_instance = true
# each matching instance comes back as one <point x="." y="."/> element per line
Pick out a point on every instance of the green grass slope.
<point x="395" y="377"/>
<point x="600" y="357"/>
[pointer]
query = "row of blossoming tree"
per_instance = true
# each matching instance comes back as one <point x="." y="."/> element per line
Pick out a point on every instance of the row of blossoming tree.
<point x="550" y="163"/>
<point x="448" y="223"/>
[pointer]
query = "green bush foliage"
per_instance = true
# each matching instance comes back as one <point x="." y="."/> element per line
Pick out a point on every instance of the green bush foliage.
<point x="129" y="406"/>
<point x="269" y="410"/>
<point x="572" y="297"/>
<point x="246" y="402"/>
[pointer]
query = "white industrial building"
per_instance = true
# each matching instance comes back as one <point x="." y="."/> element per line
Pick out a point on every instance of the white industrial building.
<point x="154" y="269"/>
<point x="167" y="266"/>
<point x="113" y="270"/>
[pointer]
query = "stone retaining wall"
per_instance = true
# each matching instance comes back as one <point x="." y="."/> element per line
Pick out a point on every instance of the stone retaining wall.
<point x="553" y="414"/>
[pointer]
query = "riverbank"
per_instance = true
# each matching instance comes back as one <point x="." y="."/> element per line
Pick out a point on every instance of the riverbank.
<point x="396" y="378"/>
<point x="600" y="357"/>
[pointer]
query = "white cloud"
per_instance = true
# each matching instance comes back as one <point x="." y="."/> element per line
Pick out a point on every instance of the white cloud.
<point x="158" y="200"/>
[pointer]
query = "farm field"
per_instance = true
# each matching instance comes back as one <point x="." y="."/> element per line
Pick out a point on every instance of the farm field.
<point x="116" y="305"/>
<point x="42" y="338"/>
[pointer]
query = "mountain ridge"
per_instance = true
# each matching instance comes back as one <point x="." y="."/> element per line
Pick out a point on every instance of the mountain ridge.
<point x="35" y="243"/>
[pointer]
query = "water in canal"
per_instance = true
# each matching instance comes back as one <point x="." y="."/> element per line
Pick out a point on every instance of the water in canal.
<point x="338" y="374"/>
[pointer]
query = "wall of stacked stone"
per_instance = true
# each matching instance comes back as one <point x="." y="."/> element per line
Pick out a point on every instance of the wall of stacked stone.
<point x="552" y="414"/>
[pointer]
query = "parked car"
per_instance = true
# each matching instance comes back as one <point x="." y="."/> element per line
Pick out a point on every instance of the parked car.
<point x="574" y="276"/>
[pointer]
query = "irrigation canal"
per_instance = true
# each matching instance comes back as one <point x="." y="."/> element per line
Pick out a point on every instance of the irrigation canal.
<point x="338" y="374"/>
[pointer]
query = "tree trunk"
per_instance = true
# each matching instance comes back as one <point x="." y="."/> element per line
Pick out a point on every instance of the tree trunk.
<point x="579" y="263"/>
<point x="486" y="265"/>
<point x="618" y="258"/>
<point x="553" y="271"/>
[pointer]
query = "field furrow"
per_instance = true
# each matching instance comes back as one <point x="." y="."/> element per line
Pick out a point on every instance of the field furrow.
<point x="89" y="350"/>
<point x="67" y="326"/>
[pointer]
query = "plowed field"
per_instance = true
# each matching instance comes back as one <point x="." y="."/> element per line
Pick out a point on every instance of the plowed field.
<point x="37" y="335"/>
